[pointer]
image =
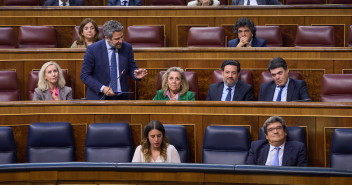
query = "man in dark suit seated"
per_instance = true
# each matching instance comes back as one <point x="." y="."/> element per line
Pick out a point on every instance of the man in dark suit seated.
<point x="245" y="31"/>
<point x="124" y="3"/>
<point x="276" y="151"/>
<point x="256" y="2"/>
<point x="230" y="89"/>
<point x="64" y="3"/>
<point x="282" y="88"/>
<point x="107" y="65"/>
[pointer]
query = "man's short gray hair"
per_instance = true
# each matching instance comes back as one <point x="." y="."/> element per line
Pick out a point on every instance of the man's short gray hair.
<point x="274" y="119"/>
<point x="110" y="27"/>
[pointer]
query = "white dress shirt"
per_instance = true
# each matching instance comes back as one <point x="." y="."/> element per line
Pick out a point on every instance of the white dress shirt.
<point x="272" y="153"/>
<point x="253" y="2"/>
<point x="171" y="153"/>
<point x="283" y="93"/>
<point x="62" y="3"/>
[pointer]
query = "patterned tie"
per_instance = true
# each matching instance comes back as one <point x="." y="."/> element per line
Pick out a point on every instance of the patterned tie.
<point x="249" y="2"/>
<point x="228" y="97"/>
<point x="113" y="71"/>
<point x="276" y="159"/>
<point x="279" y="95"/>
<point x="124" y="3"/>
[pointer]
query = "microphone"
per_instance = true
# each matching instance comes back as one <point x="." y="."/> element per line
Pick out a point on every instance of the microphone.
<point x="305" y="100"/>
<point x="113" y="83"/>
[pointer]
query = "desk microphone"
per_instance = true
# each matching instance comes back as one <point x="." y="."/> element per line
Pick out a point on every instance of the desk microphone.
<point x="113" y="83"/>
<point x="305" y="100"/>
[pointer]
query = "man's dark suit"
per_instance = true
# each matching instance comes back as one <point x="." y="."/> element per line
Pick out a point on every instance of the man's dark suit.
<point x="71" y="2"/>
<point x="243" y="92"/>
<point x="295" y="153"/>
<point x="130" y="3"/>
<point x="259" y="2"/>
<point x="256" y="42"/>
<point x="95" y="70"/>
<point x="296" y="90"/>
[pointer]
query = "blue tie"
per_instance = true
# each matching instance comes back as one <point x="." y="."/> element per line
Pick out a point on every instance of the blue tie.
<point x="228" y="97"/>
<point x="113" y="71"/>
<point x="124" y="3"/>
<point x="279" y="95"/>
<point x="249" y="2"/>
<point x="276" y="159"/>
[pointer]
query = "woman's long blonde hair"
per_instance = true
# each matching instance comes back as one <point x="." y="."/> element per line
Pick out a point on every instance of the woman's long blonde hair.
<point x="43" y="84"/>
<point x="155" y="124"/>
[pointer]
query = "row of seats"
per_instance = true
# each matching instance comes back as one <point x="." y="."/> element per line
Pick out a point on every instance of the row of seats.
<point x="112" y="142"/>
<point x="181" y="2"/>
<point x="330" y="90"/>
<point x="154" y="36"/>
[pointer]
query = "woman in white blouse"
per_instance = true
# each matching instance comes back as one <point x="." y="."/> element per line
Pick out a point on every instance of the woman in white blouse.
<point x="204" y="3"/>
<point x="155" y="146"/>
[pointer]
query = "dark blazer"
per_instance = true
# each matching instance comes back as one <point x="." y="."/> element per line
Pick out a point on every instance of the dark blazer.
<point x="296" y="90"/>
<point x="295" y="153"/>
<point x="65" y="93"/>
<point x="260" y="2"/>
<point x="71" y="2"/>
<point x="256" y="42"/>
<point x="95" y="70"/>
<point x="243" y="92"/>
<point x="130" y="3"/>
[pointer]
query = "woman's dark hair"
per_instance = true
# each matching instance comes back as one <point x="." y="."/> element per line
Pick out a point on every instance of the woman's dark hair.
<point x="244" y="21"/>
<point x="81" y="39"/>
<point x="154" y="124"/>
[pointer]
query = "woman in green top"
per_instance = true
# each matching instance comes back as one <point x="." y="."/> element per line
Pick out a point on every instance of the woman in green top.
<point x="174" y="86"/>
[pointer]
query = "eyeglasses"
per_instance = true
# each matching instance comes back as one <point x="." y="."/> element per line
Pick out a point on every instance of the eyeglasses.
<point x="279" y="128"/>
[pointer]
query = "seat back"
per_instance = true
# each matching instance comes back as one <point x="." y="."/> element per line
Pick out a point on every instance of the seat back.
<point x="33" y="78"/>
<point x="7" y="37"/>
<point x="75" y="35"/>
<point x="7" y="146"/>
<point x="177" y="135"/>
<point x="303" y="2"/>
<point x="246" y="76"/>
<point x="166" y="2"/>
<point x="336" y="88"/>
<point x="50" y="142"/>
<point x="266" y="76"/>
<point x="37" y="37"/>
<point x="21" y="2"/>
<point x="341" y="149"/>
<point x="272" y="35"/>
<point x="349" y="40"/>
<point x="339" y="2"/>
<point x="145" y="36"/>
<point x="191" y="77"/>
<point x="206" y="37"/>
<point x="109" y="142"/>
<point x="9" y="88"/>
<point x="226" y="145"/>
<point x="293" y="134"/>
<point x="315" y="36"/>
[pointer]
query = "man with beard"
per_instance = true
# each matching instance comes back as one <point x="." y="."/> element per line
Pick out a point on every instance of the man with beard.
<point x="282" y="88"/>
<point x="230" y="89"/>
<point x="107" y="63"/>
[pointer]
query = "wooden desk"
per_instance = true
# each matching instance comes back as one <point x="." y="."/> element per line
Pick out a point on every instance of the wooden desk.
<point x="312" y="63"/>
<point x="318" y="119"/>
<point x="132" y="173"/>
